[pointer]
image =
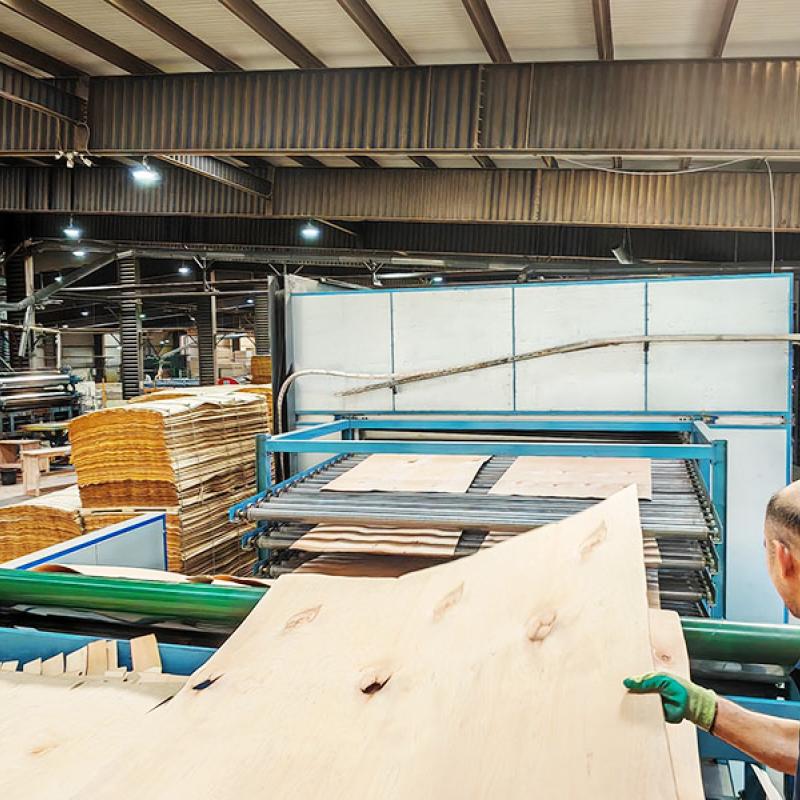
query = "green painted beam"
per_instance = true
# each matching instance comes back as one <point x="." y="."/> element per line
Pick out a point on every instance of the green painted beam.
<point x="194" y="602"/>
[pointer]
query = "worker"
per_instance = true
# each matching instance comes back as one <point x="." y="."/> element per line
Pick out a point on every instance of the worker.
<point x="769" y="740"/>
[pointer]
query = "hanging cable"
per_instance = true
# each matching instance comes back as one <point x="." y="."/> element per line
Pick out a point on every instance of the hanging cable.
<point x="689" y="171"/>
<point x="771" y="213"/>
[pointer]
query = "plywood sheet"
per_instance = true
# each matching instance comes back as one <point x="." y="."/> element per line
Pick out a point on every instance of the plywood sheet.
<point x="331" y="538"/>
<point x="444" y="683"/>
<point x="670" y="655"/>
<point x="52" y="727"/>
<point x="545" y="476"/>
<point x="357" y="565"/>
<point x="390" y="472"/>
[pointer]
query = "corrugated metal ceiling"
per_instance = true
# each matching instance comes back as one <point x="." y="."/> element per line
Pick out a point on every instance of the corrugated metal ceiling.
<point x="666" y="29"/>
<point x="765" y="28"/>
<point x="432" y="31"/>
<point x="559" y="30"/>
<point x="106" y="21"/>
<point x="212" y="23"/>
<point x="18" y="27"/>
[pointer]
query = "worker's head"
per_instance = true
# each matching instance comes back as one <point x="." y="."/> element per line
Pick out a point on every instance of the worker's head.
<point x="782" y="541"/>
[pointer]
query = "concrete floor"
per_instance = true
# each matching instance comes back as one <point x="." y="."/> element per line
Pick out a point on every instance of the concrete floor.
<point x="50" y="482"/>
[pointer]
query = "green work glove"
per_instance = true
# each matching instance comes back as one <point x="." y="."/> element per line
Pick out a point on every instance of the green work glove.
<point x="681" y="699"/>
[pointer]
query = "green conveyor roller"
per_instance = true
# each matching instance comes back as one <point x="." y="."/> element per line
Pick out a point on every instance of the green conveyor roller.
<point x="717" y="640"/>
<point x="154" y="599"/>
<point x="742" y="642"/>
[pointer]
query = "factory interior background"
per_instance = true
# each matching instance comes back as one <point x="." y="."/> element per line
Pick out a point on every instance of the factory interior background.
<point x="361" y="360"/>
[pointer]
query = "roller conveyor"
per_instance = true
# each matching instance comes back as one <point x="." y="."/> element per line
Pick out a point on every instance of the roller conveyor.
<point x="680" y="509"/>
<point x="679" y="517"/>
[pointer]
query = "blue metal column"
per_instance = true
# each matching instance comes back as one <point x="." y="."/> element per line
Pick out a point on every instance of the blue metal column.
<point x="719" y="497"/>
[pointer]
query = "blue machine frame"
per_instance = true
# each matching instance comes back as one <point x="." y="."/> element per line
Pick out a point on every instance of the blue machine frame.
<point x="710" y="455"/>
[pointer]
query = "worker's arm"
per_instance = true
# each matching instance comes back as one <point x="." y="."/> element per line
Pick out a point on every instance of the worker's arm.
<point x="770" y="740"/>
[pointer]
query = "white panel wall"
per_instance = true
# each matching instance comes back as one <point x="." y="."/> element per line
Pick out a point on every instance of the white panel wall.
<point x="756" y="469"/>
<point x="408" y="331"/>
<point x="345" y="332"/>
<point x="608" y="379"/>
<point x="436" y="330"/>
<point x="725" y="376"/>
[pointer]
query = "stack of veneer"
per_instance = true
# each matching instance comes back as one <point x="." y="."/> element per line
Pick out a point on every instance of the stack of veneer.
<point x="170" y="393"/>
<point x="192" y="457"/>
<point x="40" y="522"/>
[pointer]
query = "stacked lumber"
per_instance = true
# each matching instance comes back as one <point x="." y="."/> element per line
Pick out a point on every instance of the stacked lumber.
<point x="261" y="369"/>
<point x="39" y="522"/>
<point x="192" y="457"/>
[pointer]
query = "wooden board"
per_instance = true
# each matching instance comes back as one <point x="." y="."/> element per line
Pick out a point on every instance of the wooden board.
<point x="357" y="565"/>
<point x="466" y="680"/>
<point x="331" y="538"/>
<point x="390" y="472"/>
<point x="51" y="729"/>
<point x="670" y="655"/>
<point x="569" y="476"/>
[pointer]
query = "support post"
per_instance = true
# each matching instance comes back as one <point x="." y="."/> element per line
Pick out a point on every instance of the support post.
<point x="131" y="367"/>
<point x="16" y="290"/>
<point x="206" y="316"/>
<point x="262" y="325"/>
<point x="719" y="496"/>
<point x="98" y="352"/>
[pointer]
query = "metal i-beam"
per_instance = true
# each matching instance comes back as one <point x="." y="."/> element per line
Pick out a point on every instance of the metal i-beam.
<point x="721" y="38"/>
<point x="487" y="29"/>
<point x="423" y="162"/>
<point x="70" y="30"/>
<point x="307" y="161"/>
<point x="25" y="90"/>
<point x="163" y="27"/>
<point x="485" y="162"/>
<point x="219" y="171"/>
<point x="602" y="29"/>
<point x="36" y="58"/>
<point x="364" y="161"/>
<point x="619" y="108"/>
<point x="269" y="30"/>
<point x="376" y="31"/>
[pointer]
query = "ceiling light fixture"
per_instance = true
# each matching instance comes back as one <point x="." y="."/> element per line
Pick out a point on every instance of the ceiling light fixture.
<point x="144" y="174"/>
<point x="84" y="313"/>
<point x="310" y="232"/>
<point x="72" y="231"/>
<point x="250" y="301"/>
<point x="184" y="269"/>
<point x="79" y="253"/>
<point x="437" y="279"/>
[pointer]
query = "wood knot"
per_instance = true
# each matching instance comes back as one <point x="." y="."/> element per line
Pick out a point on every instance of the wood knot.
<point x="373" y="680"/>
<point x="302" y="618"/>
<point x="448" y="601"/>
<point x="597" y="537"/>
<point x="540" y="625"/>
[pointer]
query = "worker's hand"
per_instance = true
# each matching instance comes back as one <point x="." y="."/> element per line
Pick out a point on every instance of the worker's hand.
<point x="681" y="699"/>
